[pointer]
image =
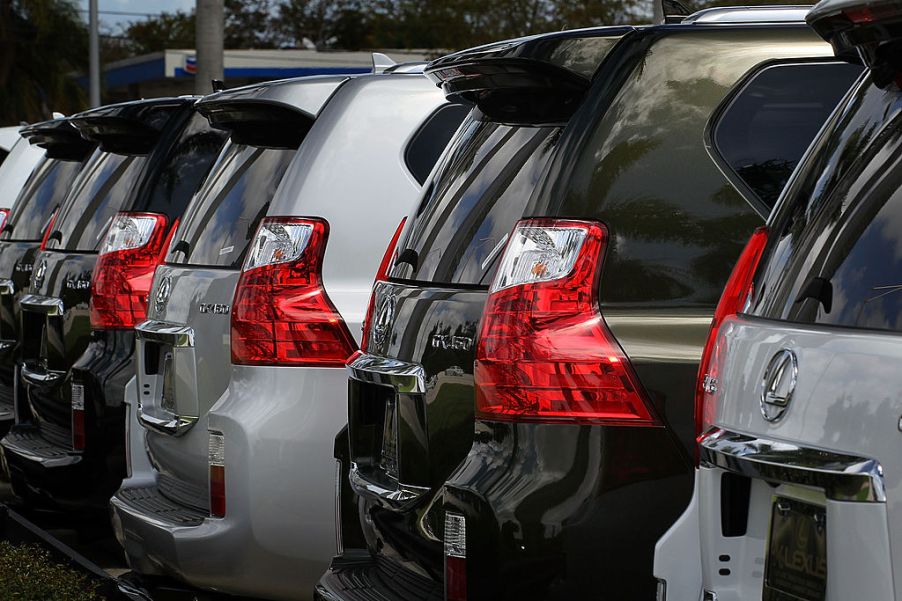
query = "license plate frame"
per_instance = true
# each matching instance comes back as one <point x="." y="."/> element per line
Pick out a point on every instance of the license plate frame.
<point x="796" y="557"/>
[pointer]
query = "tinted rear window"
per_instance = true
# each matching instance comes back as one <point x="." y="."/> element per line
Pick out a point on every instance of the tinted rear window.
<point x="45" y="190"/>
<point x="835" y="253"/>
<point x="769" y="123"/>
<point x="224" y="215"/>
<point x="430" y="140"/>
<point x="476" y="196"/>
<point x="184" y="167"/>
<point x="100" y="191"/>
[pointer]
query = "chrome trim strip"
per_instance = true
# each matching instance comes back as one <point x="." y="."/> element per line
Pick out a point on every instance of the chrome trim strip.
<point x="399" y="498"/>
<point x="166" y="333"/>
<point x="7" y="287"/>
<point x="176" y="425"/>
<point x="43" y="304"/>
<point x="400" y="375"/>
<point x="40" y="378"/>
<point x="843" y="477"/>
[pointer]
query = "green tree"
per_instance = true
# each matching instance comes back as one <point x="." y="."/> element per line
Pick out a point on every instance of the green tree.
<point x="42" y="42"/>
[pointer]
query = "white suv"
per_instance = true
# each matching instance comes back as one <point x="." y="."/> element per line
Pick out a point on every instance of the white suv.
<point x="800" y="390"/>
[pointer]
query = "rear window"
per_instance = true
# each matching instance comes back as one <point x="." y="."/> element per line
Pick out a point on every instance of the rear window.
<point x="97" y="195"/>
<point x="184" y="167"/>
<point x="835" y="253"/>
<point x="224" y="214"/>
<point x="44" y="191"/>
<point x="476" y="196"/>
<point x="430" y="140"/>
<point x="768" y="124"/>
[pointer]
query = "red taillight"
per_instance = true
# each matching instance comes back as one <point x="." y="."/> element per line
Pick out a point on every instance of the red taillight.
<point x="216" y="459"/>
<point x="544" y="351"/>
<point x="732" y="300"/>
<point x="388" y="259"/>
<point x="78" y="417"/>
<point x="130" y="253"/>
<point x="4" y="215"/>
<point x="48" y="229"/>
<point x="455" y="557"/>
<point x="281" y="314"/>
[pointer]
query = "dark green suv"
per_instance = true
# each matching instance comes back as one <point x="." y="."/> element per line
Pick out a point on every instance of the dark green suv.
<point x="559" y="277"/>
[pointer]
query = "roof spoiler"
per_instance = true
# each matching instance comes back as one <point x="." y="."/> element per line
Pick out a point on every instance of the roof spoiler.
<point x="538" y="79"/>
<point x="257" y="122"/>
<point x="59" y="139"/>
<point x="868" y="31"/>
<point x="131" y="128"/>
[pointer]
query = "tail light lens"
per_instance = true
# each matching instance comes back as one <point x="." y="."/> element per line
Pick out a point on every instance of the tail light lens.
<point x="48" y="229"/>
<point x="732" y="300"/>
<point x="217" y="475"/>
<point x="388" y="260"/>
<point x="4" y="215"/>
<point x="455" y="557"/>
<point x="281" y="314"/>
<point x="78" y="417"/>
<point x="133" y="247"/>
<point x="544" y="352"/>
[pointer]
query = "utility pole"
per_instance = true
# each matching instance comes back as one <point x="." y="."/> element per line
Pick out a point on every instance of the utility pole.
<point x="208" y="38"/>
<point x="657" y="12"/>
<point x="93" y="54"/>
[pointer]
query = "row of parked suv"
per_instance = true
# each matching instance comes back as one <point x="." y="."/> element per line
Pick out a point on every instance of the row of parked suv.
<point x="496" y="283"/>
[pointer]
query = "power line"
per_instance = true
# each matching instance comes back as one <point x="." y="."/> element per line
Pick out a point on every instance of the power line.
<point x="124" y="13"/>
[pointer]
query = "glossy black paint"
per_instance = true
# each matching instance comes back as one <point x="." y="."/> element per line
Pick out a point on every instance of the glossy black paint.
<point x="103" y="369"/>
<point x="567" y="511"/>
<point x="19" y="243"/>
<point x="435" y="427"/>
<point x="61" y="350"/>
<point x="557" y="511"/>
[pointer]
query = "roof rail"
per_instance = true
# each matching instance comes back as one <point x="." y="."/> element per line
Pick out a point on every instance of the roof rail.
<point x="750" y="14"/>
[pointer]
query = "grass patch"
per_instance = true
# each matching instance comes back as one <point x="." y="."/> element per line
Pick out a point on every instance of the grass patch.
<point x="29" y="573"/>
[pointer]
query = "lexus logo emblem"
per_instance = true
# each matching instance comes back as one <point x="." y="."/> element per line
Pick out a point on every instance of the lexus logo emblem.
<point x="778" y="385"/>
<point x="385" y="315"/>
<point x="38" y="277"/>
<point x="163" y="292"/>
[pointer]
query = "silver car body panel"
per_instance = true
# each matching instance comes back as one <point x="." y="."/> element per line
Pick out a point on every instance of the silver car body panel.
<point x="278" y="423"/>
<point x="828" y="448"/>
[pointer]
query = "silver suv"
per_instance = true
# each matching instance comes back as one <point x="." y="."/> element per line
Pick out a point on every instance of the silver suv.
<point x="796" y="495"/>
<point x="241" y="384"/>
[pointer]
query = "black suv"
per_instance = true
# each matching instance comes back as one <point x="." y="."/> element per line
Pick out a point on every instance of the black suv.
<point x="577" y="331"/>
<point x="89" y="288"/>
<point x="25" y="227"/>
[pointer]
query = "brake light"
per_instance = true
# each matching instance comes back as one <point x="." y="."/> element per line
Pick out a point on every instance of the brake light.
<point x="874" y="13"/>
<point x="544" y="351"/>
<point x="217" y="474"/>
<point x="4" y="215"/>
<point x="455" y="557"/>
<point x="732" y="300"/>
<point x="388" y="260"/>
<point x="48" y="229"/>
<point x="281" y="314"/>
<point x="129" y="255"/>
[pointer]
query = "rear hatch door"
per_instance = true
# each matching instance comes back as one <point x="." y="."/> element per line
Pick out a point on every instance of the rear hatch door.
<point x="411" y="392"/>
<point x="184" y="354"/>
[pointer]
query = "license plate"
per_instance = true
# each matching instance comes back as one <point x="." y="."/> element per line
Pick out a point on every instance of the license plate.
<point x="796" y="568"/>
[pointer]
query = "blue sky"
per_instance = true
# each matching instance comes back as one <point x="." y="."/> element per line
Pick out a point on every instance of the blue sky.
<point x="110" y="21"/>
